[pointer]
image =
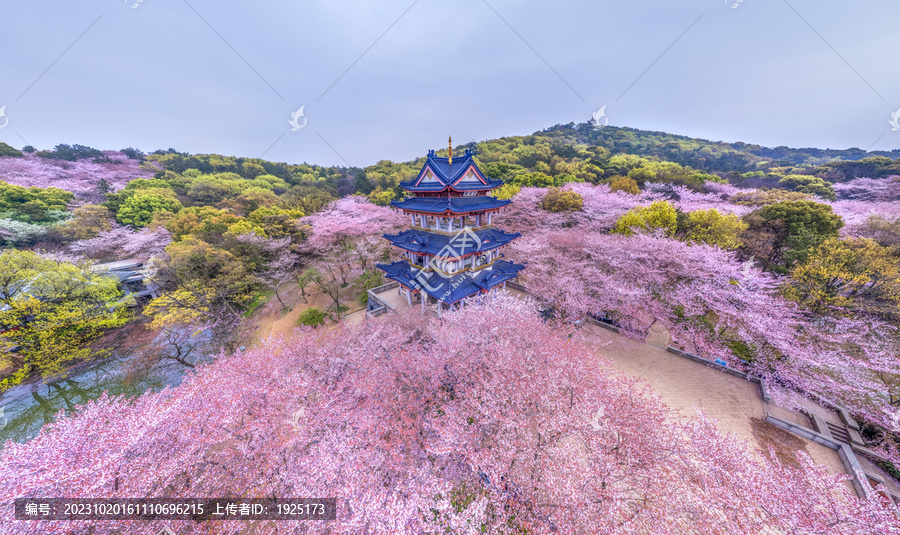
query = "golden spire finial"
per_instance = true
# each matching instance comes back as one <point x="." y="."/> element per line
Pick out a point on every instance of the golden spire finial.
<point x="450" y="150"/>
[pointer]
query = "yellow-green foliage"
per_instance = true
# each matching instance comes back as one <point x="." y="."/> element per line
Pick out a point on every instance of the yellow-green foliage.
<point x="201" y="222"/>
<point x="139" y="209"/>
<point x="765" y="197"/>
<point x="88" y="221"/>
<point x="854" y="273"/>
<point x="55" y="309"/>
<point x="506" y="191"/>
<point x="32" y="205"/>
<point x="623" y="183"/>
<point x="659" y="215"/>
<point x="556" y="200"/>
<point x="381" y="197"/>
<point x="312" y="317"/>
<point x="714" y="228"/>
<point x="812" y="185"/>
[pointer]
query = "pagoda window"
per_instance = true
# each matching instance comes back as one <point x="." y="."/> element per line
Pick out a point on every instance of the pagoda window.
<point x="469" y="193"/>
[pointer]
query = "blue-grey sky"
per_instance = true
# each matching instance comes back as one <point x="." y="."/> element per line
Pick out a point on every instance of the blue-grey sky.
<point x="391" y="79"/>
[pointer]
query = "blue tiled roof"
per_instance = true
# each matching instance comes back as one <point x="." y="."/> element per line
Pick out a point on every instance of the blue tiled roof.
<point x="447" y="173"/>
<point x="451" y="289"/>
<point x="455" y="205"/>
<point x="462" y="186"/>
<point x="422" y="242"/>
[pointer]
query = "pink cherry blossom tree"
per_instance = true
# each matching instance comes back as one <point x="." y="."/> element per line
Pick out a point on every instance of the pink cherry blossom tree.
<point x="869" y="189"/>
<point x="345" y="240"/>
<point x="80" y="177"/>
<point x="488" y="420"/>
<point x="123" y="242"/>
<point x="718" y="307"/>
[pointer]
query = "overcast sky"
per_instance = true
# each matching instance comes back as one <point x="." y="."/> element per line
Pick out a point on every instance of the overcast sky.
<point x="391" y="79"/>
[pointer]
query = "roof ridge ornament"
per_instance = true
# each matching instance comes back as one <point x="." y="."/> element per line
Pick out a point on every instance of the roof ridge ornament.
<point x="450" y="150"/>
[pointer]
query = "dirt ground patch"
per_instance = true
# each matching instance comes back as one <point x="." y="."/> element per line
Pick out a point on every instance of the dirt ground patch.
<point x="271" y="319"/>
<point x="783" y="443"/>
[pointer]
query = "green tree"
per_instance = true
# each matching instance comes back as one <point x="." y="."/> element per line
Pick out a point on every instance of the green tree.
<point x="279" y="223"/>
<point x="252" y="170"/>
<point x="8" y="150"/>
<point x="381" y="197"/>
<point x="623" y="183"/>
<point x="87" y="222"/>
<point x="214" y="276"/>
<point x="557" y="200"/>
<point x="714" y="228"/>
<point x="534" y="180"/>
<point x="506" y="191"/>
<point x="205" y="223"/>
<point x="659" y="215"/>
<point x="780" y="235"/>
<point x="307" y="199"/>
<point x="33" y="204"/>
<point x="855" y="274"/>
<point x="208" y="193"/>
<point x="361" y="183"/>
<point x="51" y="311"/>
<point x="763" y="197"/>
<point x="250" y="200"/>
<point x="139" y="209"/>
<point x="312" y="317"/>
<point x="811" y="185"/>
<point x="103" y="186"/>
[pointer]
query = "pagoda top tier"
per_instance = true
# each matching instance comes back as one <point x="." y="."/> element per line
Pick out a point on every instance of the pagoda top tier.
<point x="450" y="174"/>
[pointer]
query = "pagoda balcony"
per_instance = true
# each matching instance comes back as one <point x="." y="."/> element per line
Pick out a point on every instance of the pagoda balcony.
<point x="450" y="225"/>
<point x="467" y="264"/>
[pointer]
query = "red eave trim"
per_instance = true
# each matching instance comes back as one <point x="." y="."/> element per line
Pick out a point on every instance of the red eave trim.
<point x="449" y="213"/>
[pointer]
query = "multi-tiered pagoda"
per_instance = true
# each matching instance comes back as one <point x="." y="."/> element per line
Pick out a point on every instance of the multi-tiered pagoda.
<point x="451" y="252"/>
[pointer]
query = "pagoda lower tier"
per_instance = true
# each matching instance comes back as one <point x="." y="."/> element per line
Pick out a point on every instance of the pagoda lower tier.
<point x="450" y="290"/>
<point x="422" y="242"/>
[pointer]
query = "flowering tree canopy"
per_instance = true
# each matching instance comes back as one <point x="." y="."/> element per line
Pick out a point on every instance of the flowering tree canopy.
<point x="81" y="177"/>
<point x="488" y="421"/>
